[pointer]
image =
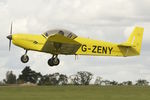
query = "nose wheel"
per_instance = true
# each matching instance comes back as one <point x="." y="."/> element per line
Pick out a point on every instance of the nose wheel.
<point x="54" y="61"/>
<point x="25" y="58"/>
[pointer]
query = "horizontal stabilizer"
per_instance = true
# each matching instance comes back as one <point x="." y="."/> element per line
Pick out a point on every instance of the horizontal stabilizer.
<point x="126" y="45"/>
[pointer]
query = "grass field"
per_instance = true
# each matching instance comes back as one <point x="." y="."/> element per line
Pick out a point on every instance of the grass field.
<point x="75" y="93"/>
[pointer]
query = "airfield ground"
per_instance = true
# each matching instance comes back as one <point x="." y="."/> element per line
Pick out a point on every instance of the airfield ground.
<point x="75" y="93"/>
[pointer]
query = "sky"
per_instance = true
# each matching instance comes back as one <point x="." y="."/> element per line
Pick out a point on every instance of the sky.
<point x="108" y="20"/>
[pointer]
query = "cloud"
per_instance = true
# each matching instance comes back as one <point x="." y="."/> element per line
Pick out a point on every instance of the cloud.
<point x="98" y="19"/>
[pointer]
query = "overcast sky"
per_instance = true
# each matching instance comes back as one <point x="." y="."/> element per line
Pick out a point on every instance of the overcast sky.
<point x="109" y="20"/>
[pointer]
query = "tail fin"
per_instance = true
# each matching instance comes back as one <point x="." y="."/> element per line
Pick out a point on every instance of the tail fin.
<point x="135" y="39"/>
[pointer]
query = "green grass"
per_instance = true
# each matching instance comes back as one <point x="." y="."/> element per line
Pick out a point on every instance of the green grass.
<point x="75" y="93"/>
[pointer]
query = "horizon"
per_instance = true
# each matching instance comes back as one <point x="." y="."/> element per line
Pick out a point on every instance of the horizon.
<point x="97" y="19"/>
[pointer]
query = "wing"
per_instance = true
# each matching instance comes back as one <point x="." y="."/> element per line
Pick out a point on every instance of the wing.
<point x="59" y="44"/>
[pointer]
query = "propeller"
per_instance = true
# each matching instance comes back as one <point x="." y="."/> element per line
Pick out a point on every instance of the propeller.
<point x="10" y="36"/>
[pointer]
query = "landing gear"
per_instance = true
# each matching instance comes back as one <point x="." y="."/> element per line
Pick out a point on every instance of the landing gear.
<point x="24" y="58"/>
<point x="54" y="61"/>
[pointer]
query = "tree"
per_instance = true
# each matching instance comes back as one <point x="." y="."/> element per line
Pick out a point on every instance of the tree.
<point x="98" y="80"/>
<point x="2" y="83"/>
<point x="29" y="75"/>
<point x="113" y="83"/>
<point x="63" y="79"/>
<point x="105" y="82"/>
<point x="54" y="79"/>
<point x="75" y="80"/>
<point x="85" y="77"/>
<point x="82" y="78"/>
<point x="126" y="83"/>
<point x="142" y="82"/>
<point x="44" y="80"/>
<point x="10" y="78"/>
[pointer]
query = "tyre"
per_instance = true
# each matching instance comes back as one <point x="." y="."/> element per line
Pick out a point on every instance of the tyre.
<point x="56" y="61"/>
<point x="50" y="62"/>
<point x="53" y="62"/>
<point x="24" y="58"/>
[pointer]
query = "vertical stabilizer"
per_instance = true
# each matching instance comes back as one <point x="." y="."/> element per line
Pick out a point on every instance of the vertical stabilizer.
<point x="135" y="38"/>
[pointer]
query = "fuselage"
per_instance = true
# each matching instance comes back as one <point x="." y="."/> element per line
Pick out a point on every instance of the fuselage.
<point x="67" y="43"/>
<point x="29" y="41"/>
<point x="88" y="46"/>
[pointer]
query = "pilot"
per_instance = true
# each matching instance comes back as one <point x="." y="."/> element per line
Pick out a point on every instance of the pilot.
<point x="61" y="32"/>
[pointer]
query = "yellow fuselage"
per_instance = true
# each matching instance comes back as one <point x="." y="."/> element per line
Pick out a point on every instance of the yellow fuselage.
<point x="88" y="46"/>
<point x="29" y="41"/>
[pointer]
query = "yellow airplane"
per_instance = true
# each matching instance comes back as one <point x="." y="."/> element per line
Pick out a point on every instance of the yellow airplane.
<point x="65" y="42"/>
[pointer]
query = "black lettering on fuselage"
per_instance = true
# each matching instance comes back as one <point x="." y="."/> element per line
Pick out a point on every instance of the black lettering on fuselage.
<point x="84" y="48"/>
<point x="104" y="50"/>
<point x="110" y="49"/>
<point x="99" y="49"/>
<point x="94" y="49"/>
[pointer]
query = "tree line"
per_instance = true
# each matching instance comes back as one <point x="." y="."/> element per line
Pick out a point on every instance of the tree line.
<point x="80" y="78"/>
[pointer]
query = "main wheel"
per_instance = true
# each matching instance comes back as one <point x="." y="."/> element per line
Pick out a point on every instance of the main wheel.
<point x="24" y="58"/>
<point x="50" y="62"/>
<point x="53" y="62"/>
<point x="56" y="61"/>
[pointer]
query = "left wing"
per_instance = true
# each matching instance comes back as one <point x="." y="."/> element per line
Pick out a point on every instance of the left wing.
<point x="59" y="44"/>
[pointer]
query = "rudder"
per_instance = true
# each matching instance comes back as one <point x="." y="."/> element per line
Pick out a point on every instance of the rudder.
<point x="135" y="38"/>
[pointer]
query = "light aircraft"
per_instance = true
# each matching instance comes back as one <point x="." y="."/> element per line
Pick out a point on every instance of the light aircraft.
<point x="64" y="42"/>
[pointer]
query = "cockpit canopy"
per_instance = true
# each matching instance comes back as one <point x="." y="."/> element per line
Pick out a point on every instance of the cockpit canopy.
<point x="63" y="32"/>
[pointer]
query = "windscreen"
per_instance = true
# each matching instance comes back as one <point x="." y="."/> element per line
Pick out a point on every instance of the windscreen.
<point x="65" y="33"/>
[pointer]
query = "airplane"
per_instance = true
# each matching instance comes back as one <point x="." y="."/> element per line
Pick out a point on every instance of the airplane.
<point x="63" y="42"/>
